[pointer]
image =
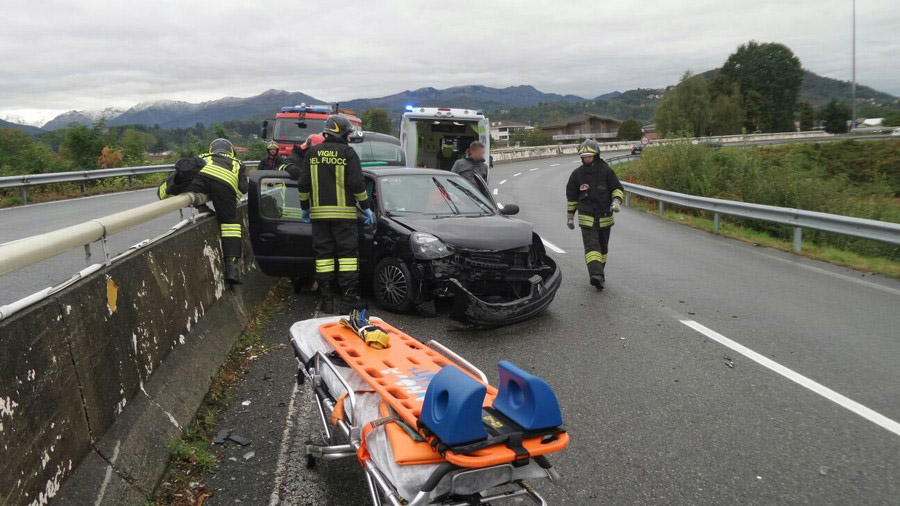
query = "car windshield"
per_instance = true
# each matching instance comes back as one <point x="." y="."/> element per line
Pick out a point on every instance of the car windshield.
<point x="379" y="151"/>
<point x="294" y="130"/>
<point x="433" y="195"/>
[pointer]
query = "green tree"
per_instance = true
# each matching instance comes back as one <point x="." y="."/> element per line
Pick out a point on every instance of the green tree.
<point x="892" y="118"/>
<point x="755" y="106"/>
<point x="684" y="108"/>
<point x="256" y="149"/>
<point x="530" y="137"/>
<point x="805" y="111"/>
<point x="836" y="115"/>
<point x="82" y="146"/>
<point x="772" y="70"/>
<point x="630" y="130"/>
<point x="726" y="114"/>
<point x="217" y="131"/>
<point x="377" y="120"/>
<point x="133" y="148"/>
<point x="20" y="154"/>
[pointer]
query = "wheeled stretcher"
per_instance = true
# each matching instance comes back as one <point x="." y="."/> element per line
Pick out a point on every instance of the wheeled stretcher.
<point x="424" y="423"/>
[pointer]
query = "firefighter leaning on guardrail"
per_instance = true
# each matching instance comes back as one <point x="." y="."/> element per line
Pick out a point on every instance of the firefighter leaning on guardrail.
<point x="595" y="193"/>
<point x="223" y="177"/>
<point x="331" y="183"/>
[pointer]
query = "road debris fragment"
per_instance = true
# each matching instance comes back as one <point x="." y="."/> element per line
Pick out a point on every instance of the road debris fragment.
<point x="728" y="361"/>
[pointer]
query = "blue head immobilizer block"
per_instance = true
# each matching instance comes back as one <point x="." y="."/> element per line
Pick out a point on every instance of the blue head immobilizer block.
<point x="526" y="399"/>
<point x="452" y="407"/>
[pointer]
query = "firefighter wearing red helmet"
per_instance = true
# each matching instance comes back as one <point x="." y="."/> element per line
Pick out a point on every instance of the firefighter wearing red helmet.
<point x="331" y="185"/>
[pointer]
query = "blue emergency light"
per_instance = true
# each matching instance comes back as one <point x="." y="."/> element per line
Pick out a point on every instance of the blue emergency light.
<point x="409" y="107"/>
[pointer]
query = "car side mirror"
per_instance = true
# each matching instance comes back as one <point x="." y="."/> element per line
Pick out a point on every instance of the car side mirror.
<point x="357" y="137"/>
<point x="509" y="210"/>
<point x="264" y="131"/>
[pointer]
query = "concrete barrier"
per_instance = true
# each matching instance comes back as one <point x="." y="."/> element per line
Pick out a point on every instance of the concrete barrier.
<point x="97" y="379"/>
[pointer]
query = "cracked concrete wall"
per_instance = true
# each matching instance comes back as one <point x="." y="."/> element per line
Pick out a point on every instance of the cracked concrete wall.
<point x="83" y="362"/>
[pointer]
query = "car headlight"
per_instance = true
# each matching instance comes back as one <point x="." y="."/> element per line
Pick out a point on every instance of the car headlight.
<point x="428" y="247"/>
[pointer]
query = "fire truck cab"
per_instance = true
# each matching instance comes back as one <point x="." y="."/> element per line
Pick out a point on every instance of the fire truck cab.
<point x="436" y="137"/>
<point x="293" y="124"/>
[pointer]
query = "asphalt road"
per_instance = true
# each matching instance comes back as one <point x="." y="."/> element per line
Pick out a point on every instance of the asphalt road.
<point x="20" y="222"/>
<point x="708" y="372"/>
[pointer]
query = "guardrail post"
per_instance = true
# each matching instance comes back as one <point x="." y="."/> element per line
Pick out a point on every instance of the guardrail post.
<point x="798" y="239"/>
<point x="87" y="254"/>
<point x="717" y="222"/>
<point x="22" y="194"/>
<point x="628" y="199"/>
<point x="82" y="186"/>
<point x="662" y="207"/>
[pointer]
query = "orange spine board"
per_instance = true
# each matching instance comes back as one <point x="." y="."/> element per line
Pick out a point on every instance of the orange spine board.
<point x="400" y="374"/>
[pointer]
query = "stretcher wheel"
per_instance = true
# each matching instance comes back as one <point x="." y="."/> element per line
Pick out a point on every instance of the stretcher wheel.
<point x="310" y="462"/>
<point x="301" y="378"/>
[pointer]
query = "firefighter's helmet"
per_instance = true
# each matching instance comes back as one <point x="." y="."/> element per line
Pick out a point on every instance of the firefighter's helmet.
<point x="313" y="140"/>
<point x="589" y="148"/>
<point x="221" y="146"/>
<point x="338" y="125"/>
<point x="271" y="145"/>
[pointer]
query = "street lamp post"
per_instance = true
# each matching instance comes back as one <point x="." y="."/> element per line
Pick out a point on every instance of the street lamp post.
<point x="853" y="83"/>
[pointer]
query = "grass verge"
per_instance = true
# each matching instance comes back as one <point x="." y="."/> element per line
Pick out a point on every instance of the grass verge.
<point x="876" y="265"/>
<point x="65" y="191"/>
<point x="192" y="455"/>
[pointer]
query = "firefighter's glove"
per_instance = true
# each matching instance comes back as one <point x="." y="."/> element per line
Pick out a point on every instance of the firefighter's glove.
<point x="616" y="206"/>
<point x="369" y="217"/>
<point x="570" y="222"/>
<point x="305" y="215"/>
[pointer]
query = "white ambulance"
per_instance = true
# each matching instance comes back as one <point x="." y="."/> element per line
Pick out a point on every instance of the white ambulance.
<point x="435" y="137"/>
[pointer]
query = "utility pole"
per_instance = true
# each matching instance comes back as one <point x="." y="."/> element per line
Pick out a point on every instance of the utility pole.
<point x="853" y="83"/>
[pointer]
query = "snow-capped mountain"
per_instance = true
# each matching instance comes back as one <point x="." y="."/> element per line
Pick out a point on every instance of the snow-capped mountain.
<point x="86" y="117"/>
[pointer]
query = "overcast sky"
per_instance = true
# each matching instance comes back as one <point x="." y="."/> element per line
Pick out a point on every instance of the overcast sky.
<point x="85" y="54"/>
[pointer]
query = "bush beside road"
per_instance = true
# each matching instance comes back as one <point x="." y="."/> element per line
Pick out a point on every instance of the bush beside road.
<point x="849" y="178"/>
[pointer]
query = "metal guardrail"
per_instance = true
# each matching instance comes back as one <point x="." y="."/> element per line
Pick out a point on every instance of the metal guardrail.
<point x="797" y="218"/>
<point x="82" y="176"/>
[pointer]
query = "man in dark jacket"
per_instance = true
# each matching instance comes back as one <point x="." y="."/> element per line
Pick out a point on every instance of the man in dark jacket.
<point x="472" y="164"/>
<point x="596" y="193"/>
<point x="272" y="161"/>
<point x="331" y="184"/>
<point x="294" y="161"/>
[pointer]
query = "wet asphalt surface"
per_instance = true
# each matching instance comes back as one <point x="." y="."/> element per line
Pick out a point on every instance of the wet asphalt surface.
<point x="659" y="413"/>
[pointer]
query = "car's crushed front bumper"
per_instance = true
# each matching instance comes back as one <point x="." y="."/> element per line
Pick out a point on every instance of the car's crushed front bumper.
<point x="469" y="308"/>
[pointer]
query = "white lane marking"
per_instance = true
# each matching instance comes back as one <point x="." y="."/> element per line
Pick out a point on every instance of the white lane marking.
<point x="501" y="182"/>
<point x="275" y="496"/>
<point x="859" y="409"/>
<point x="517" y="174"/>
<point x="554" y="164"/>
<point x="576" y="161"/>
<point x="534" y="169"/>
<point x="552" y="246"/>
<point x="495" y="190"/>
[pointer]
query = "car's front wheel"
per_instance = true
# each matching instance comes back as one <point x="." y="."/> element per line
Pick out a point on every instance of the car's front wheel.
<point x="393" y="285"/>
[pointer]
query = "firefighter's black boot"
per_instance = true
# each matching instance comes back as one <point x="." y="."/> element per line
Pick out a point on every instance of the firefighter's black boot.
<point x="350" y="300"/>
<point x="326" y="297"/>
<point x="233" y="270"/>
<point x="598" y="279"/>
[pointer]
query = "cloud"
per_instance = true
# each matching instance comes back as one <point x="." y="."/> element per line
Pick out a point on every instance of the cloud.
<point x="93" y="54"/>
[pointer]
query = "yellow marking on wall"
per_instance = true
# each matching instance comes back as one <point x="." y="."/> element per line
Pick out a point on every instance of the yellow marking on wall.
<point x="112" y="295"/>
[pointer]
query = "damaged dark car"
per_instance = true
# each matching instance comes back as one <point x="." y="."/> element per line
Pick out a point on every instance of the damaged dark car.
<point x="436" y="236"/>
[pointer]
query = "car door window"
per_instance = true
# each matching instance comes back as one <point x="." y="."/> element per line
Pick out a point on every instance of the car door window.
<point x="279" y="200"/>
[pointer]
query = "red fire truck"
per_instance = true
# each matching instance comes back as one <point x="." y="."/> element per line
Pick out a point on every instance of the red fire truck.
<point x="293" y="124"/>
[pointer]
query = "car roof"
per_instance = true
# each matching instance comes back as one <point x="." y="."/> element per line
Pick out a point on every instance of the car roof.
<point x="406" y="171"/>
<point x="377" y="136"/>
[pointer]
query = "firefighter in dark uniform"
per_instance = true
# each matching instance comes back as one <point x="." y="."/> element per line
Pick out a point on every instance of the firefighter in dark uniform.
<point x="272" y="161"/>
<point x="331" y="183"/>
<point x="596" y="193"/>
<point x="224" y="178"/>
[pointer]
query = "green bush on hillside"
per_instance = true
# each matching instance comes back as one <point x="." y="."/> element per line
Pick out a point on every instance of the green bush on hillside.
<point x="850" y="178"/>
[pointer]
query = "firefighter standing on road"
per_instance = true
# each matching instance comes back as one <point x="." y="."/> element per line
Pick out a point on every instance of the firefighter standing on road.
<point x="224" y="178"/>
<point x="330" y="184"/>
<point x="596" y="193"/>
<point x="272" y="161"/>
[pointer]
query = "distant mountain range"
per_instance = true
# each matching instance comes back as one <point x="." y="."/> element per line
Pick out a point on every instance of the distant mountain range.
<point x="25" y="128"/>
<point x="638" y="103"/>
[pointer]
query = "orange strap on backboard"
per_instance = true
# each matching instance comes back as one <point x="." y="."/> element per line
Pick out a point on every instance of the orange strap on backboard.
<point x="362" y="453"/>
<point x="337" y="413"/>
